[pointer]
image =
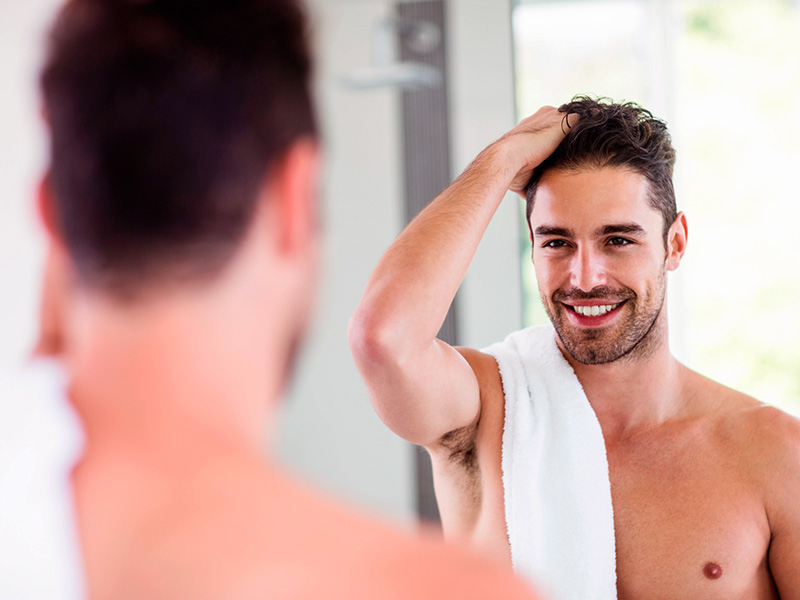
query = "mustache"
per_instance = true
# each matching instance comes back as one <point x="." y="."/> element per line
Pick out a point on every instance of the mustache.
<point x="602" y="292"/>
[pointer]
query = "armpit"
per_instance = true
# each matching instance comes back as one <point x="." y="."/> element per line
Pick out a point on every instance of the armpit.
<point x="460" y="445"/>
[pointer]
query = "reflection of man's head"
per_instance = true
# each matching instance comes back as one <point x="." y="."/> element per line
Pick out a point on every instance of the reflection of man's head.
<point x="174" y="124"/>
<point x="601" y="210"/>
<point x="166" y="116"/>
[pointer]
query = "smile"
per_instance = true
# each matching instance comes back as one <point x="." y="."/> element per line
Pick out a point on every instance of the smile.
<point x="594" y="311"/>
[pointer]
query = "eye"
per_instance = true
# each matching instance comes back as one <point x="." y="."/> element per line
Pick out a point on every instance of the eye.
<point x="619" y="241"/>
<point x="554" y="244"/>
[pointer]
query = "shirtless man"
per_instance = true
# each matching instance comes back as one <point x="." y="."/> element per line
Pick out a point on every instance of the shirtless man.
<point x="181" y="209"/>
<point x="704" y="480"/>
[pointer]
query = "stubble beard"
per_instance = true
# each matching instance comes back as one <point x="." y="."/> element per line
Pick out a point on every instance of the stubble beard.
<point x="637" y="336"/>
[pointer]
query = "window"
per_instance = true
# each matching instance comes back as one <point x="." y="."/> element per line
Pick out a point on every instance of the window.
<point x="724" y="74"/>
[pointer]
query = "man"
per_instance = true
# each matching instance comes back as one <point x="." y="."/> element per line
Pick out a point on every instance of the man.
<point x="181" y="207"/>
<point x="704" y="480"/>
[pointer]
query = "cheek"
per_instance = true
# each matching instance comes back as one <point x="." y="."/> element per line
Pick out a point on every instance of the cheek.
<point x="642" y="273"/>
<point x="549" y="276"/>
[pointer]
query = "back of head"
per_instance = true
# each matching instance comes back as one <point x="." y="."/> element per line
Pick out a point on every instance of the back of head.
<point x="609" y="134"/>
<point x="165" y="117"/>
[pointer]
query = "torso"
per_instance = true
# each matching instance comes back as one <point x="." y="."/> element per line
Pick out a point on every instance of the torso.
<point x="689" y="512"/>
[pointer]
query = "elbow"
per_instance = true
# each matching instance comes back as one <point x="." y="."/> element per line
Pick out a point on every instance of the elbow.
<point x="371" y="339"/>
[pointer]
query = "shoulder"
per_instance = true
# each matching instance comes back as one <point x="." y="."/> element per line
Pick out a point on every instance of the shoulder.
<point x="287" y="541"/>
<point x="767" y="442"/>
<point x="770" y="435"/>
<point x="775" y="437"/>
<point x="429" y="568"/>
<point x="762" y="443"/>
<point x="760" y="436"/>
<point x="484" y="365"/>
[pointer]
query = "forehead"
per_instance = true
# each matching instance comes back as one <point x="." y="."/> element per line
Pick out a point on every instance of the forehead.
<point x="587" y="199"/>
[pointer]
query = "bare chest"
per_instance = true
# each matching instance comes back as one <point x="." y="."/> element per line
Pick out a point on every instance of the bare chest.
<point x="687" y="524"/>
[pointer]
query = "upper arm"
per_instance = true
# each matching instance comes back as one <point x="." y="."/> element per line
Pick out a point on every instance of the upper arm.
<point x="784" y="507"/>
<point x="421" y="394"/>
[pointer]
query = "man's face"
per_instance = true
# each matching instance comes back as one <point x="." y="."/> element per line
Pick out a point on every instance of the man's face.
<point x="599" y="255"/>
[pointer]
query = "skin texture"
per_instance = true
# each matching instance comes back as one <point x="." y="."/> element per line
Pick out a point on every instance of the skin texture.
<point x="699" y="473"/>
<point x="177" y="391"/>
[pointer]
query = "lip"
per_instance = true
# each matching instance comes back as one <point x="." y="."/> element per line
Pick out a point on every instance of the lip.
<point x="598" y="321"/>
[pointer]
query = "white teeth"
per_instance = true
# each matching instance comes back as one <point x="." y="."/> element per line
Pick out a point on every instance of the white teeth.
<point x="594" y="311"/>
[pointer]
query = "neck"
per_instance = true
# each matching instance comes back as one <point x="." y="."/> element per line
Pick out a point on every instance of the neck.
<point x="173" y="379"/>
<point x="638" y="391"/>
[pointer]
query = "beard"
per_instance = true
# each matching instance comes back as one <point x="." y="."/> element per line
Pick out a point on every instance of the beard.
<point x="634" y="335"/>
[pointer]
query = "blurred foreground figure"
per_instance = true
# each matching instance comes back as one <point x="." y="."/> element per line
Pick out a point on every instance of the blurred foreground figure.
<point x="181" y="202"/>
<point x="533" y="438"/>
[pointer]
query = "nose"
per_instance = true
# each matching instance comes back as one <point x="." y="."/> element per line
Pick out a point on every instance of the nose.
<point x="587" y="269"/>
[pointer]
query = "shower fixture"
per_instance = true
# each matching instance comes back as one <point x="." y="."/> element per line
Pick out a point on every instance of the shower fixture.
<point x="421" y="37"/>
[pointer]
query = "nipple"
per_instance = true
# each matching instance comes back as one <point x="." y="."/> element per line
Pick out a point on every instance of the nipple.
<point x="712" y="570"/>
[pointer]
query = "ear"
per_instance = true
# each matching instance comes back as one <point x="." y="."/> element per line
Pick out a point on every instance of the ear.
<point x="46" y="209"/>
<point x="295" y="186"/>
<point x="56" y="277"/>
<point x="677" y="238"/>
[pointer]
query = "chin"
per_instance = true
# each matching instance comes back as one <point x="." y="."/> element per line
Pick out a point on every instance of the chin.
<point x="635" y="338"/>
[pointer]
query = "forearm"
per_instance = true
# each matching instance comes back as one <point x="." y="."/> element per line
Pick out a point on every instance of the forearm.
<point x="413" y="285"/>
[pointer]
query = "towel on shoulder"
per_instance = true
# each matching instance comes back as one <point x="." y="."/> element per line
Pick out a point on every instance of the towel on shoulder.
<point x="555" y="472"/>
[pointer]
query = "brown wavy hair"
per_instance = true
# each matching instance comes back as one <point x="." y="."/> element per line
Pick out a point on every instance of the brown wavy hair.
<point x="609" y="134"/>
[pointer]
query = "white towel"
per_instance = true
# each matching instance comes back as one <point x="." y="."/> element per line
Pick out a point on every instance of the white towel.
<point x="555" y="472"/>
<point x="41" y="440"/>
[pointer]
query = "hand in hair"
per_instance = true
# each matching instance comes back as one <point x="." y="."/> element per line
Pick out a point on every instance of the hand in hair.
<point x="534" y="139"/>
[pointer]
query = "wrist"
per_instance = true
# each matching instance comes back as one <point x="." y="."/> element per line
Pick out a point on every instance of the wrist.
<point x="500" y="161"/>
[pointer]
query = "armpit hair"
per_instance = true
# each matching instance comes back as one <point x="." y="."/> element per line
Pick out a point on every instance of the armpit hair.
<point x="461" y="445"/>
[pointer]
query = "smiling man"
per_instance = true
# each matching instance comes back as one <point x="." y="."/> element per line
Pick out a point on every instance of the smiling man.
<point x="583" y="453"/>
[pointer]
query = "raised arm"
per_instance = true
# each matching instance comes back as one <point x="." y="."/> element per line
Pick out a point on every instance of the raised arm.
<point x="421" y="387"/>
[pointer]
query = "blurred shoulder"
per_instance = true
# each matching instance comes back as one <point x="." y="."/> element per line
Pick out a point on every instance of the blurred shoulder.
<point x="364" y="556"/>
<point x="271" y="536"/>
<point x="429" y="568"/>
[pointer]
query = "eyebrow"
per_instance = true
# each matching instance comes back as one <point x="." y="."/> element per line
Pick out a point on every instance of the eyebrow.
<point x="616" y="228"/>
<point x="544" y="230"/>
<point x="625" y="228"/>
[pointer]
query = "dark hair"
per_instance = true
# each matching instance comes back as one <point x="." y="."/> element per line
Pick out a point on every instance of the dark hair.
<point x="165" y="117"/>
<point x="616" y="135"/>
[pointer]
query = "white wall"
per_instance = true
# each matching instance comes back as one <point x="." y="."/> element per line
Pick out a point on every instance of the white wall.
<point x="330" y="432"/>
<point x="22" y="159"/>
<point x="482" y="105"/>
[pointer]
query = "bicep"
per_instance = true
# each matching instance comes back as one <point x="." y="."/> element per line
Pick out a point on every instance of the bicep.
<point x="784" y="560"/>
<point x="423" y="397"/>
<point x="784" y="548"/>
<point x="783" y="504"/>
